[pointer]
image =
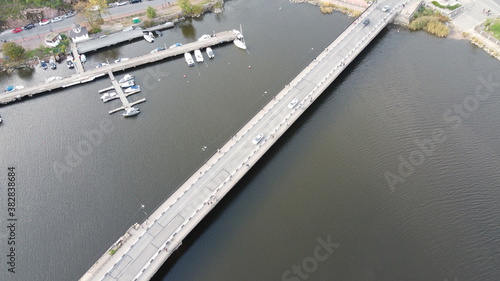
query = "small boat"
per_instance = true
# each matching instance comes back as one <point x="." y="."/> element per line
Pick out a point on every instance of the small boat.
<point x="210" y="53"/>
<point x="121" y="59"/>
<point x="13" y="88"/>
<point x="131" y="111"/>
<point x="205" y="37"/>
<point x="48" y="80"/>
<point x="157" y="49"/>
<point x="109" y="96"/>
<point x="189" y="59"/>
<point x="238" y="34"/>
<point x="133" y="89"/>
<point x="1" y="119"/>
<point x="126" y="78"/>
<point x="83" y="58"/>
<point x="240" y="44"/>
<point x="127" y="84"/>
<point x="175" y="45"/>
<point x="149" y="37"/>
<point x="52" y="64"/>
<point x="101" y="64"/>
<point x="158" y="33"/>
<point x="43" y="65"/>
<point x="198" y="56"/>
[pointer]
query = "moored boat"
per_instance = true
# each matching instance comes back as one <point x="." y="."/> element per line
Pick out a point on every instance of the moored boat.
<point x="198" y="56"/>
<point x="135" y="89"/>
<point x="126" y="78"/>
<point x="189" y="59"/>
<point x="175" y="45"/>
<point x="127" y="84"/>
<point x="121" y="59"/>
<point x="1" y="119"/>
<point x="157" y="49"/>
<point x="149" y="38"/>
<point x="240" y="44"/>
<point x="109" y="96"/>
<point x="131" y="111"/>
<point x="204" y="37"/>
<point x="210" y="53"/>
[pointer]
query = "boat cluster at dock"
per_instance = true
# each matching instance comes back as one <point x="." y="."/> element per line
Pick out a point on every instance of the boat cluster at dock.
<point x="127" y="82"/>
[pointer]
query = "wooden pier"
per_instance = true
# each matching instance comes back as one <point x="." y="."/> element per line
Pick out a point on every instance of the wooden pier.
<point x="90" y="75"/>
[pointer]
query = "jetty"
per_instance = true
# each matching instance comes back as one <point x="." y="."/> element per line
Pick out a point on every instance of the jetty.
<point x="122" y="95"/>
<point x="92" y="74"/>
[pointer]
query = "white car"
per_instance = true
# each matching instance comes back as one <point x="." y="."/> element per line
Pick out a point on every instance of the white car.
<point x="385" y="9"/>
<point x="44" y="22"/>
<point x="121" y="3"/>
<point x="56" y="19"/>
<point x="257" y="138"/>
<point x="293" y="103"/>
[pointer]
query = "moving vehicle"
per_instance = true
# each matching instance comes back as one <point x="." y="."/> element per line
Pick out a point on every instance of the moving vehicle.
<point x="56" y="19"/>
<point x="293" y="103"/>
<point x="17" y="30"/>
<point x="29" y="26"/>
<point x="366" y="21"/>
<point x="385" y="8"/>
<point x="257" y="138"/>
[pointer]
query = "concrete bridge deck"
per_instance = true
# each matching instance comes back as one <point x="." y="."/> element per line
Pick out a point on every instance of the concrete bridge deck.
<point x="144" y="249"/>
<point x="90" y="75"/>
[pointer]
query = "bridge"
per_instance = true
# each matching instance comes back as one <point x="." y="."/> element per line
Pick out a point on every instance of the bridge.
<point x="144" y="248"/>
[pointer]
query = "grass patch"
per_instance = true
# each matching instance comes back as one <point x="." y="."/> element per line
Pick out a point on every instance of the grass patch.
<point x="449" y="7"/>
<point x="493" y="27"/>
<point x="433" y="24"/>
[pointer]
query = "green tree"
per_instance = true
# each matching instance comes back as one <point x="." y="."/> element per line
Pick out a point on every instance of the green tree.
<point x="185" y="6"/>
<point x="92" y="12"/>
<point x="150" y="12"/>
<point x="14" y="51"/>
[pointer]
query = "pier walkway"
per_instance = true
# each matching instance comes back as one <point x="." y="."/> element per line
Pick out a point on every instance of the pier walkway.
<point x="143" y="250"/>
<point x="90" y="75"/>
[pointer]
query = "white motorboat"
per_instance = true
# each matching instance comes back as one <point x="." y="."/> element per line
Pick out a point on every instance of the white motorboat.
<point x="1" y="119"/>
<point x="210" y="53"/>
<point x="133" y="89"/>
<point x="175" y="45"/>
<point x="109" y="96"/>
<point x="83" y="58"/>
<point x="131" y="111"/>
<point x="121" y="59"/>
<point x="149" y="38"/>
<point x="189" y="59"/>
<point x="205" y="37"/>
<point x="48" y="80"/>
<point x="157" y="49"/>
<point x="238" y="34"/>
<point x="127" y="84"/>
<point x="198" y="56"/>
<point x="126" y="78"/>
<point x="101" y="64"/>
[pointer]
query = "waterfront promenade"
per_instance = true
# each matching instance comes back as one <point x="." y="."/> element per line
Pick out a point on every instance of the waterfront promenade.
<point x="144" y="248"/>
<point x="90" y="75"/>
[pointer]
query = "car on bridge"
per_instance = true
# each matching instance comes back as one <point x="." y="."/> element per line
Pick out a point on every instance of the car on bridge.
<point x="293" y="103"/>
<point x="17" y="30"/>
<point x="385" y="8"/>
<point x="257" y="138"/>
<point x="366" y="21"/>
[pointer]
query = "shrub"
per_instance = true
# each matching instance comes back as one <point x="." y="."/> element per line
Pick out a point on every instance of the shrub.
<point x="151" y="12"/>
<point x="437" y="28"/>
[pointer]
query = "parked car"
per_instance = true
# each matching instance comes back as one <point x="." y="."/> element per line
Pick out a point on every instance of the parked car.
<point x="44" y="22"/>
<point x="366" y="21"/>
<point x="29" y="26"/>
<point x="17" y="30"/>
<point x="56" y="19"/>
<point x="134" y="1"/>
<point x="68" y="15"/>
<point x="121" y="3"/>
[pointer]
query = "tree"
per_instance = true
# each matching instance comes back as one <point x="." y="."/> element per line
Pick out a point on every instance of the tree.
<point x="185" y="6"/>
<point x="150" y="12"/>
<point x="14" y="51"/>
<point x="92" y="11"/>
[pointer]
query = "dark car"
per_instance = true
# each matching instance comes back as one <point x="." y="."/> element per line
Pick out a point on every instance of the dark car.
<point x="366" y="21"/>
<point x="29" y="26"/>
<point x="134" y="1"/>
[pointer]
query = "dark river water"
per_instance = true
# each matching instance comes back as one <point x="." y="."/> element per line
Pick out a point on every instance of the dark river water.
<point x="393" y="173"/>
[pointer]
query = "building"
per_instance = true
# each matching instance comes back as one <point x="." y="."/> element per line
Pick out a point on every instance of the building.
<point x="52" y="39"/>
<point x="78" y="33"/>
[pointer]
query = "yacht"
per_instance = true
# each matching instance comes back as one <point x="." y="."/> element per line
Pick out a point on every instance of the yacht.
<point x="149" y="37"/>
<point x="198" y="56"/>
<point x="109" y="96"/>
<point x="240" y="44"/>
<point x="189" y="59"/>
<point x="133" y="89"/>
<point x="204" y="37"/>
<point x="157" y="49"/>
<point x="210" y="53"/>
<point x="131" y="111"/>
<point x="128" y="83"/>
<point x="126" y="78"/>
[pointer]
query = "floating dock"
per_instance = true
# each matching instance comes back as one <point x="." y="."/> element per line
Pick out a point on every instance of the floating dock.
<point x="122" y="95"/>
